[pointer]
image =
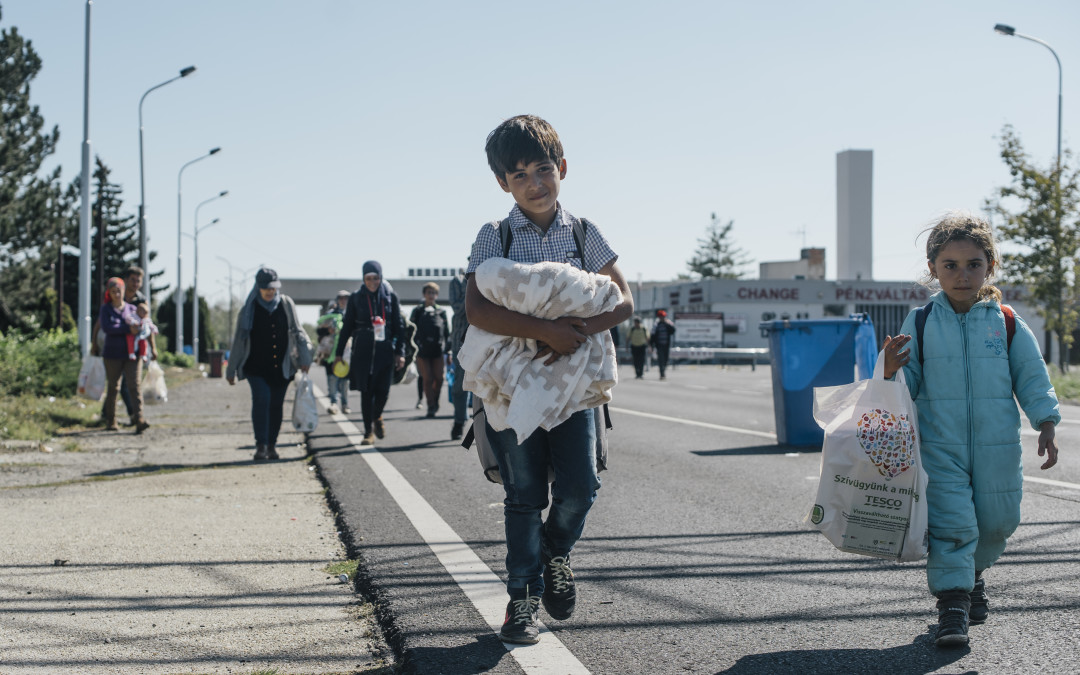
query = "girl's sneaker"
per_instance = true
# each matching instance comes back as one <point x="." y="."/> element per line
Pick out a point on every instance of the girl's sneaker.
<point x="952" y="619"/>
<point x="980" y="603"/>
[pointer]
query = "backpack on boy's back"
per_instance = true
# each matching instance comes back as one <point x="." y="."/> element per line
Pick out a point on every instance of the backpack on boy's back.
<point x="478" y="429"/>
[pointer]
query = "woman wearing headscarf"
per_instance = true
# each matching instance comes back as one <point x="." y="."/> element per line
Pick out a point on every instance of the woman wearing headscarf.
<point x="269" y="346"/>
<point x="118" y="320"/>
<point x="373" y="320"/>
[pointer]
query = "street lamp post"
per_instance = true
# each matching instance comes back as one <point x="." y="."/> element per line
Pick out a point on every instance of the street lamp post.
<point x="195" y="292"/>
<point x="144" y="256"/>
<point x="1011" y="32"/>
<point x="84" y="206"/>
<point x="195" y="288"/>
<point x="244" y="273"/>
<point x="179" y="256"/>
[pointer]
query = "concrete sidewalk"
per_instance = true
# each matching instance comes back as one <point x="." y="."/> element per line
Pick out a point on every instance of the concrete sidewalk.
<point x="174" y="552"/>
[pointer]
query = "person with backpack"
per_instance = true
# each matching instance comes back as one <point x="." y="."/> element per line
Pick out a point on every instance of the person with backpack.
<point x="663" y="334"/>
<point x="432" y="345"/>
<point x="526" y="156"/>
<point x="973" y="360"/>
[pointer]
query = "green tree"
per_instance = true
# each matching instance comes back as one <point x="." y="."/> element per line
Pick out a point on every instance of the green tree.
<point x="166" y="323"/>
<point x="1037" y="216"/>
<point x="717" y="257"/>
<point x="33" y="207"/>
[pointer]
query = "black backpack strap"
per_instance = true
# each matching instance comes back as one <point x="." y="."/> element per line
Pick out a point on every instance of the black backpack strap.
<point x="506" y="236"/>
<point x="920" y="325"/>
<point x="470" y="436"/>
<point x="580" y="227"/>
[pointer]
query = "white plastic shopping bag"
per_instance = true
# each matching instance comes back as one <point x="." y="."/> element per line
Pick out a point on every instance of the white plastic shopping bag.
<point x="154" y="389"/>
<point x="872" y="492"/>
<point x="305" y="412"/>
<point x="91" y="383"/>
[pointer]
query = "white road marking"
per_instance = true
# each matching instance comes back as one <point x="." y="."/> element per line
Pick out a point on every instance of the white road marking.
<point x="1055" y="483"/>
<point x="707" y="425"/>
<point x="483" y="588"/>
<point x="762" y="434"/>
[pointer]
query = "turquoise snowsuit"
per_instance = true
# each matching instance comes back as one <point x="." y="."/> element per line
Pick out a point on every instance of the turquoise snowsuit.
<point x="969" y="429"/>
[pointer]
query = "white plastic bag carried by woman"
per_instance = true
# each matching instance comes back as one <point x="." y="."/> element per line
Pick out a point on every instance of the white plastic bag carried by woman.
<point x="305" y="412"/>
<point x="872" y="492"/>
<point x="154" y="388"/>
<point x="92" y="378"/>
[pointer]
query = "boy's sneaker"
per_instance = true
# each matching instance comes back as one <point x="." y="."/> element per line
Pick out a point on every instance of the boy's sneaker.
<point x="953" y="608"/>
<point x="980" y="603"/>
<point x="519" y="627"/>
<point x="560" y="591"/>
<point x="332" y="409"/>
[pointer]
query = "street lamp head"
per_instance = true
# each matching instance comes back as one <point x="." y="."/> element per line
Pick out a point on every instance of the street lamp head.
<point x="223" y="193"/>
<point x="187" y="71"/>
<point x="214" y="221"/>
<point x="1004" y="30"/>
<point x="214" y="151"/>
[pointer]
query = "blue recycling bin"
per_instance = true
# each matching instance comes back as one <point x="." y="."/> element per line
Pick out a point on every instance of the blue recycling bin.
<point x="808" y="353"/>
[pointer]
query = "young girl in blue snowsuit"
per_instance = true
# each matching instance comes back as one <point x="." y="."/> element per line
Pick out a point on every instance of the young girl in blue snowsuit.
<point x="963" y="385"/>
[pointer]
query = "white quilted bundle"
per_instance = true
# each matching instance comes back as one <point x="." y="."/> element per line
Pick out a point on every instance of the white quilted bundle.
<point x="518" y="391"/>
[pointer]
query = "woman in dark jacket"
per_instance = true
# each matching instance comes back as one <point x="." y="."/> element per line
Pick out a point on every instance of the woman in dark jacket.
<point x="373" y="320"/>
<point x="269" y="346"/>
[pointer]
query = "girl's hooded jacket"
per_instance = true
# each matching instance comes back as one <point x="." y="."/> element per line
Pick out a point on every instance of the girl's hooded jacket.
<point x="963" y="384"/>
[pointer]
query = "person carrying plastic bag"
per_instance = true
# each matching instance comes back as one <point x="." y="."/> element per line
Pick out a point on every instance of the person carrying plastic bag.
<point x="973" y="363"/>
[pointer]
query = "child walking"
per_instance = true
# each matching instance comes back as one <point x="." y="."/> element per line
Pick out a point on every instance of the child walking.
<point x="526" y="156"/>
<point x="963" y="382"/>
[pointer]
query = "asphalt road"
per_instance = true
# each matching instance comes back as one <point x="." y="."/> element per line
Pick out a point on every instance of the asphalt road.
<point x="695" y="558"/>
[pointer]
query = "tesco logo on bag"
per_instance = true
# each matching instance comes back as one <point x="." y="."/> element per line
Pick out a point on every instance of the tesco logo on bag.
<point x="883" y="502"/>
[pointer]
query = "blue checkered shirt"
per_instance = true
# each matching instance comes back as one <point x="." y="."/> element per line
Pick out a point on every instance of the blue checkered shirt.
<point x="529" y="245"/>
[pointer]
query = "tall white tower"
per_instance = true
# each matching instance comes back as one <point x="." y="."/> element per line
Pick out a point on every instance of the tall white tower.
<point x="854" y="215"/>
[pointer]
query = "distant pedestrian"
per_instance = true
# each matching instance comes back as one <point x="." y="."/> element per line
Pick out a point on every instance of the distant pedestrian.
<point x="966" y="378"/>
<point x="269" y="346"/>
<point x="663" y="334"/>
<point x="331" y="323"/>
<point x="119" y="320"/>
<point x="432" y="345"/>
<point x="457" y="336"/>
<point x="373" y="320"/>
<point x="639" y="345"/>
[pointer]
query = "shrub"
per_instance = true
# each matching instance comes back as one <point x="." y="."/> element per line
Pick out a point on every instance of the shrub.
<point x="46" y="364"/>
<point x="167" y="359"/>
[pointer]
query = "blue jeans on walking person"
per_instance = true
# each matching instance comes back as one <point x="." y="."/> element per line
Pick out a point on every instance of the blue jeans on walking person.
<point x="570" y="449"/>
<point x="267" y="403"/>
<point x="460" y="396"/>
<point x="339" y="389"/>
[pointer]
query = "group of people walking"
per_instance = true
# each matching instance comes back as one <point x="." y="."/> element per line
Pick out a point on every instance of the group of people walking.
<point x="970" y="448"/>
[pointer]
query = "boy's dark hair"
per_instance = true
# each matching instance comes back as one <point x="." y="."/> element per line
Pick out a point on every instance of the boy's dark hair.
<point x="134" y="269"/>
<point x="522" y="139"/>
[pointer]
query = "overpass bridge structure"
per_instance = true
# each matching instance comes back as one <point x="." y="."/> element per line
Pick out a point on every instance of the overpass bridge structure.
<point x="321" y="291"/>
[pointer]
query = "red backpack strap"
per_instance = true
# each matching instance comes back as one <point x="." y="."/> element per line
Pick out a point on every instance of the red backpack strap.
<point x="1010" y="324"/>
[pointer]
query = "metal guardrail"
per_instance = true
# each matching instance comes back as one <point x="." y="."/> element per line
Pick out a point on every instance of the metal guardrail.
<point x="749" y="355"/>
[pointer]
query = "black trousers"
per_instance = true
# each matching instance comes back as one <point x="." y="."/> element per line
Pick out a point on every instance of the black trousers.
<point x="373" y="398"/>
<point x="639" y="359"/>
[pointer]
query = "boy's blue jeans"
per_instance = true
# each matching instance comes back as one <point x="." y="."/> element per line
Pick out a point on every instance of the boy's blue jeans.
<point x="570" y="449"/>
<point x="267" y="402"/>
<point x="339" y="389"/>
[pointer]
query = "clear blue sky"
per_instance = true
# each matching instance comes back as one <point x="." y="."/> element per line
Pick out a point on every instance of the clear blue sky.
<point x="354" y="130"/>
